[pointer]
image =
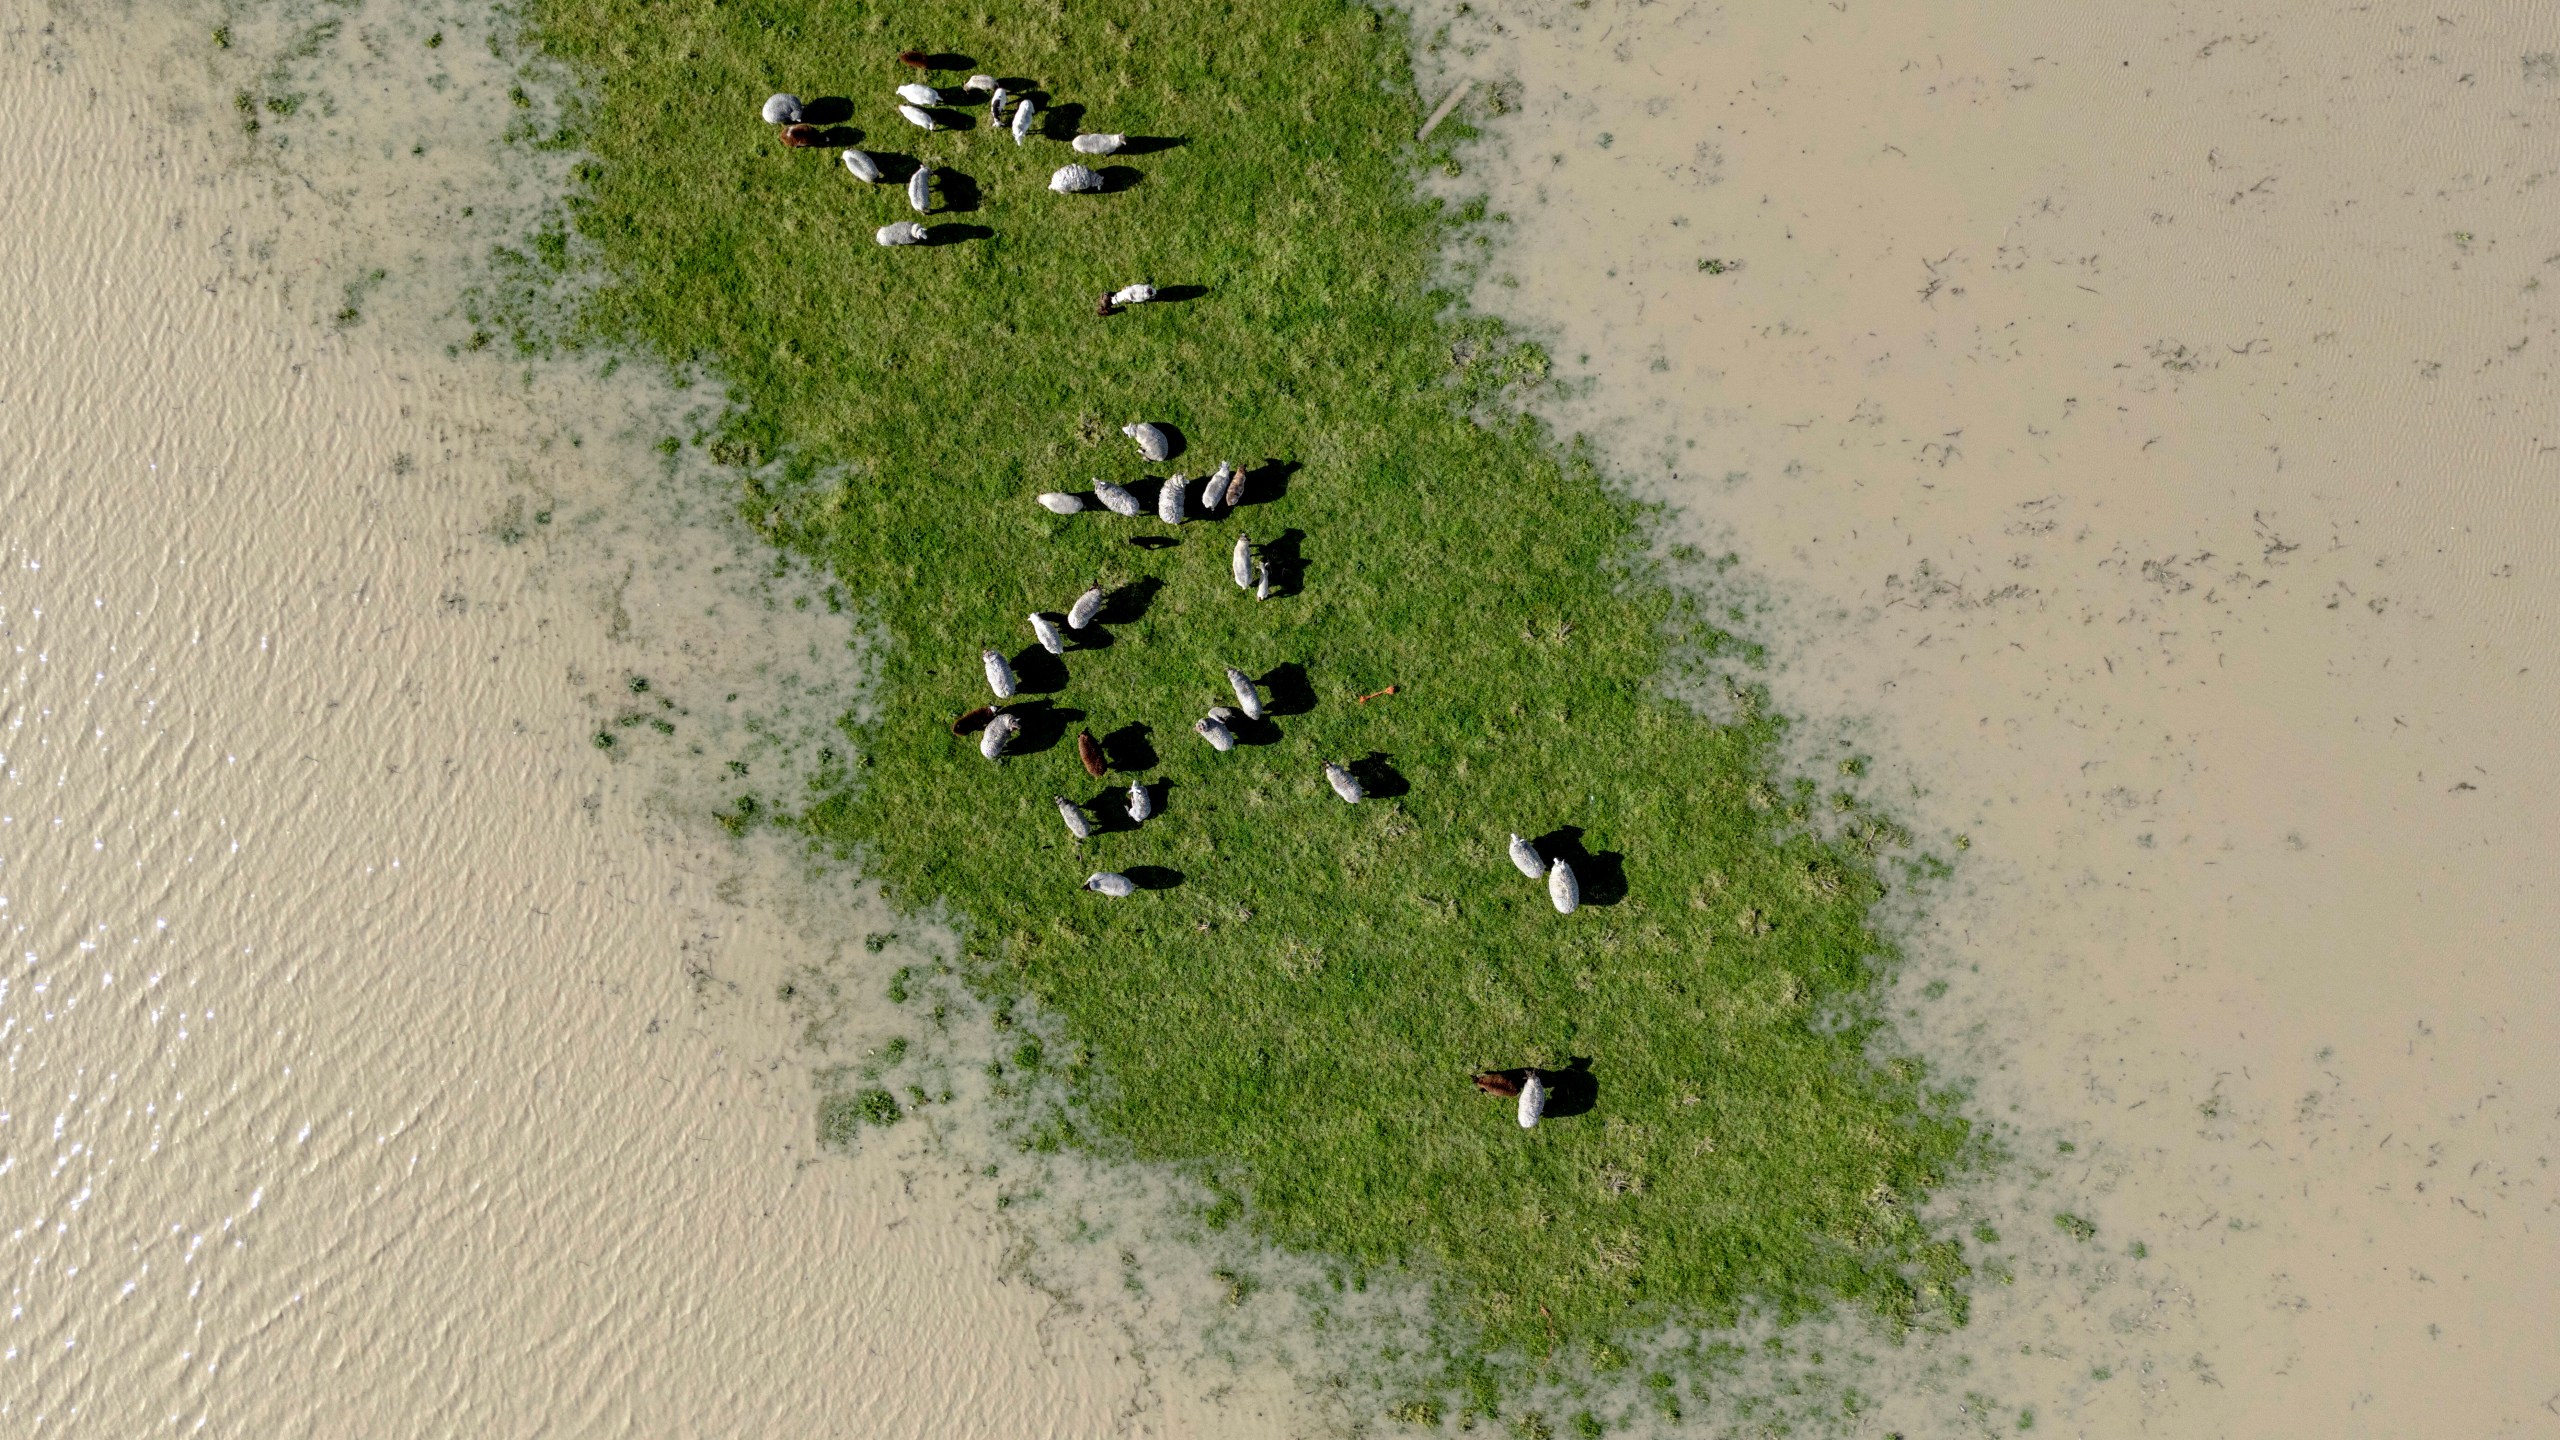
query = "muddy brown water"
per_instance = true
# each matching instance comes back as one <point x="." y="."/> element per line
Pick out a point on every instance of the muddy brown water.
<point x="2136" y="430"/>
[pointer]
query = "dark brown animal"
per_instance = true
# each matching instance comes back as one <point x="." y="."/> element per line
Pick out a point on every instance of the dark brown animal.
<point x="915" y="58"/>
<point x="1090" y="753"/>
<point x="1106" y="307"/>
<point x="803" y="137"/>
<point x="973" y="722"/>
<point x="1505" y="1083"/>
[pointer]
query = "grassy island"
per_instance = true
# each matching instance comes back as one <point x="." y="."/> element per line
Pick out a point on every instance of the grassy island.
<point x="1294" y="1008"/>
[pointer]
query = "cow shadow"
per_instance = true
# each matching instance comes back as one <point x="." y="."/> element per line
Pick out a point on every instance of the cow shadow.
<point x="1130" y="748"/>
<point x="1287" y="691"/>
<point x="1602" y="874"/>
<point x="1378" y="779"/>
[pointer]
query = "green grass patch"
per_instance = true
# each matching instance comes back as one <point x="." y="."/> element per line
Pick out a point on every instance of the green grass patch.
<point x="1295" y="1015"/>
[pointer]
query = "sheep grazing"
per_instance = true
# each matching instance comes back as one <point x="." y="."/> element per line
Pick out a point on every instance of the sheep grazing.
<point x="1241" y="562"/>
<point x="922" y="120"/>
<point x="1533" y="1100"/>
<point x="1524" y="856"/>
<point x="803" y="137"/>
<point x="995" y="107"/>
<point x="1113" y="884"/>
<point x="1074" y="179"/>
<point x="998" y="734"/>
<point x="1214" y="494"/>
<point x="1138" y="294"/>
<point x="1089" y="754"/>
<point x="1099" y="144"/>
<point x="1169" y="497"/>
<point x="1496" y="1082"/>
<point x="1059" y="502"/>
<point x="1073" y="814"/>
<point x="980" y="85"/>
<point x="1045" y="630"/>
<point x="1152" y="441"/>
<point x="903" y="232"/>
<point x="1024" y="116"/>
<point x="999" y="674"/>
<point x="1562" y="888"/>
<point x="1141" y="804"/>
<point x="1261" y="580"/>
<point x="1211" y="729"/>
<point x="973" y="721"/>
<point x="1343" y="783"/>
<point x="919" y="94"/>
<point x="783" y="110"/>
<point x="920" y="190"/>
<point x="1246" y="696"/>
<point x="1087" y="606"/>
<point x="1117" y="499"/>
<point x="1235" y="488"/>
<point x="862" y="167"/>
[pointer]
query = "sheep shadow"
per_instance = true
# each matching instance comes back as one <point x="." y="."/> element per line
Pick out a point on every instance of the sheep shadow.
<point x="1118" y="179"/>
<point x="1130" y="748"/>
<point x="1111" y="807"/>
<point x="1268" y="481"/>
<point x="1253" y="732"/>
<point x="1043" y="726"/>
<point x="1153" y="877"/>
<point x="1571" y="1091"/>
<point x="949" y="60"/>
<point x="1287" y="691"/>
<point x="1285" y="556"/>
<point x="1151" y="542"/>
<point x="1151" y="144"/>
<point x="959" y="192"/>
<point x="1602" y="875"/>
<point x="1128" y="604"/>
<point x="833" y="136"/>
<point x="1037" y="672"/>
<point x="1378" y="779"/>
<point x="956" y="234"/>
<point x="827" y="110"/>
<point x="1063" y="123"/>
<point x="1176" y="294"/>
<point x="946" y="118"/>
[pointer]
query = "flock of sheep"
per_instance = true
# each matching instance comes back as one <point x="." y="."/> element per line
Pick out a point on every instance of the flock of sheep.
<point x="1223" y="491"/>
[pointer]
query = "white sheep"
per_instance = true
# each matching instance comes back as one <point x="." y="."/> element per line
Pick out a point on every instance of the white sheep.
<point x="1059" y="502"/>
<point x="1533" y="1100"/>
<point x="1117" y="499"/>
<point x="783" y="110"/>
<point x="995" y="106"/>
<point x="1074" y="180"/>
<point x="1261" y="580"/>
<point x="1023" y="117"/>
<point x="1073" y="814"/>
<point x="1087" y="606"/>
<point x="1241" y="562"/>
<point x="1214" y="494"/>
<point x="1152" y="441"/>
<point x="920" y="190"/>
<point x="1562" y="888"/>
<point x="1524" y="857"/>
<point x="999" y="674"/>
<point x="1112" y="883"/>
<point x="1099" y="144"/>
<point x="998" y="734"/>
<point x="863" y="167"/>
<point x="915" y="94"/>
<point x="1211" y="729"/>
<point x="980" y="85"/>
<point x="1246" y="695"/>
<point x="1169" y="497"/>
<point x="1343" y="784"/>
<point x="920" y="119"/>
<point x="1138" y="294"/>
<point x="1141" y="804"/>
<point x="1047" y="631"/>
<point x="903" y="232"/>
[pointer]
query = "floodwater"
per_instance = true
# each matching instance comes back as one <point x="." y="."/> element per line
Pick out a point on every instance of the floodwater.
<point x="383" y="1055"/>
<point x="2135" y="427"/>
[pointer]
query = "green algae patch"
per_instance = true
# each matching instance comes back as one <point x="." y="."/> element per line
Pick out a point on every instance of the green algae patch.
<point x="1293" y="1002"/>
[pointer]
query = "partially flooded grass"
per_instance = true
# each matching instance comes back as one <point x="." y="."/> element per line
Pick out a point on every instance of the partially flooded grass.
<point x="1292" y="1010"/>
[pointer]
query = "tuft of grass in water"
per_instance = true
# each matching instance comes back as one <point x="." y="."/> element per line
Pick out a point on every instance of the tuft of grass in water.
<point x="1294" y="1006"/>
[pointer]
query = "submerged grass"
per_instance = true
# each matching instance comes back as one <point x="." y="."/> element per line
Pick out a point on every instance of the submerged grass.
<point x="1294" y="1010"/>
